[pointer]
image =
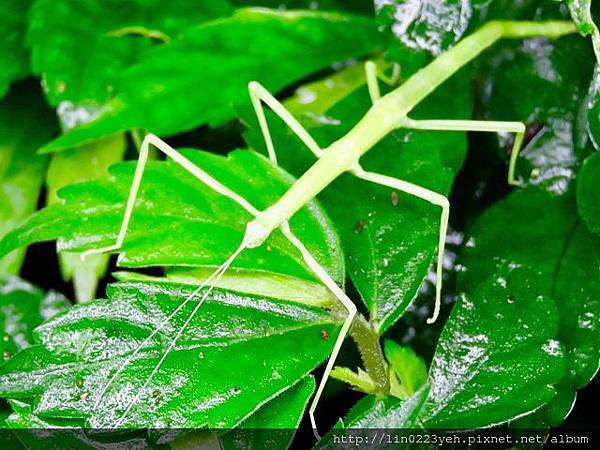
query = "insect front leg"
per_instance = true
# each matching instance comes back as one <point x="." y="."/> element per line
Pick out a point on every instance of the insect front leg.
<point x="259" y="94"/>
<point x="431" y="197"/>
<point x="151" y="139"/>
<point x="373" y="75"/>
<point x="320" y="272"/>
<point x="478" y="125"/>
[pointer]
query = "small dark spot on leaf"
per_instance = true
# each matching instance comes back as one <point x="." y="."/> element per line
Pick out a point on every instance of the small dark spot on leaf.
<point x="359" y="226"/>
<point x="324" y="335"/>
<point x="155" y="394"/>
<point x="237" y="390"/>
<point x="6" y="355"/>
<point x="395" y="198"/>
<point x="510" y="298"/>
<point x="79" y="382"/>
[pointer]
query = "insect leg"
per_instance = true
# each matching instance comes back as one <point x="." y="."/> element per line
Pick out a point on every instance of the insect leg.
<point x="430" y="196"/>
<point x="373" y="76"/>
<point x="320" y="272"/>
<point x="259" y="94"/>
<point x="151" y="139"/>
<point x="479" y="125"/>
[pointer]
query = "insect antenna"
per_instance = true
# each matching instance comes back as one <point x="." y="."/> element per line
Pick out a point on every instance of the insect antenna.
<point x="209" y="283"/>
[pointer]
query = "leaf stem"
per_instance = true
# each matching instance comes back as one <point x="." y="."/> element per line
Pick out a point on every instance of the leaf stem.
<point x="367" y="340"/>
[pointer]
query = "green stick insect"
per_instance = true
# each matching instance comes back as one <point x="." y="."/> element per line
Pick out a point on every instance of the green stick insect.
<point x="386" y="114"/>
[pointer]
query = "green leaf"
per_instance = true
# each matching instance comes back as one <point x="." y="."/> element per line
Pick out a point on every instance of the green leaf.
<point x="582" y="16"/>
<point x="593" y="109"/>
<point x="410" y="369"/>
<point x="498" y="356"/>
<point x="57" y="434"/>
<point x="371" y="412"/>
<point x="180" y="221"/>
<point x="80" y="49"/>
<point x="204" y="381"/>
<point x="85" y="163"/>
<point x="25" y="125"/>
<point x="274" y="425"/>
<point x="8" y="439"/>
<point x="425" y="25"/>
<point x="556" y="140"/>
<point x="22" y="308"/>
<point x="390" y="238"/>
<point x="14" y="57"/>
<point x="181" y="85"/>
<point x="588" y="187"/>
<point x="566" y="265"/>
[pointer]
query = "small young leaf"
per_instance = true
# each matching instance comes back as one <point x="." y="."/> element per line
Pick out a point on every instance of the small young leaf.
<point x="14" y="57"/>
<point x="202" y="383"/>
<point x="178" y="220"/>
<point x="85" y="163"/>
<point x="179" y="86"/>
<point x="25" y="125"/>
<point x="588" y="188"/>
<point x="410" y="369"/>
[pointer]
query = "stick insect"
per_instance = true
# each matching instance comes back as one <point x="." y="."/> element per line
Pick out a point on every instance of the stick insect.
<point x="387" y="113"/>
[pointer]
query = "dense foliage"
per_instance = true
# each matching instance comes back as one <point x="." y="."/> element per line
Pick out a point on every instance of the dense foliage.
<point x="81" y="82"/>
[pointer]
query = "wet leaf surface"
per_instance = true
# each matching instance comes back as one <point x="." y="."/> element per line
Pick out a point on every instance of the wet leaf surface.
<point x="536" y="230"/>
<point x="426" y="25"/>
<point x="202" y="383"/>
<point x="559" y="71"/>
<point x="370" y="413"/>
<point x="498" y="356"/>
<point x="22" y="308"/>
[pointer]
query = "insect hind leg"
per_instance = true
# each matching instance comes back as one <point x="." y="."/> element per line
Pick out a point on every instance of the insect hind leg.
<point x="320" y="272"/>
<point x="430" y="196"/>
<point x="479" y="125"/>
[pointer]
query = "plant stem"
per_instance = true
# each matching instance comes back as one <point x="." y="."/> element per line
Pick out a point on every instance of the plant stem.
<point x="367" y="340"/>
